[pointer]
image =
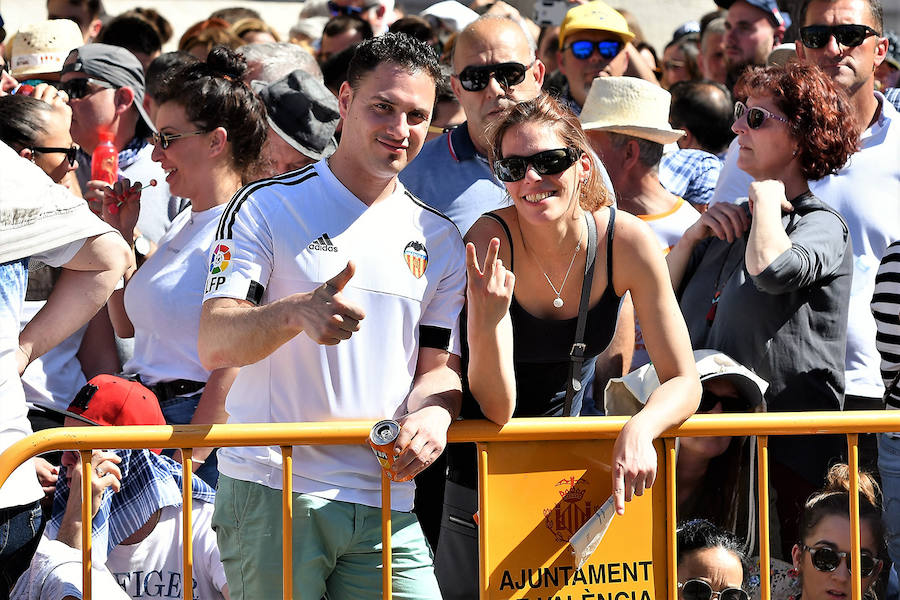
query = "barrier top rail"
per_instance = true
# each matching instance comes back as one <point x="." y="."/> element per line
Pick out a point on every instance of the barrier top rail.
<point x="355" y="432"/>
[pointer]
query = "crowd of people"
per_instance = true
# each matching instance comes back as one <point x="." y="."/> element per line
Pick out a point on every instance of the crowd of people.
<point x="455" y="214"/>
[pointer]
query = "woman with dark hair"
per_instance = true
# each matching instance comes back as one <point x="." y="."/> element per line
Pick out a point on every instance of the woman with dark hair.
<point x="39" y="131"/>
<point x="711" y="562"/>
<point x="571" y="257"/>
<point x="775" y="298"/>
<point x="211" y="129"/>
<point x="822" y="557"/>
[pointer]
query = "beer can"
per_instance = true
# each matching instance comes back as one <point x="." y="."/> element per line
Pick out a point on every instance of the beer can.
<point x="382" y="438"/>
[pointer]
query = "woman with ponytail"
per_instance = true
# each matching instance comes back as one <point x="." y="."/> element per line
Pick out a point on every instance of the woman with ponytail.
<point x="211" y="129"/>
<point x="822" y="556"/>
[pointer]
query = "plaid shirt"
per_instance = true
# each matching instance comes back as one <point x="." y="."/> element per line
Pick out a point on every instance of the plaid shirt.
<point x="149" y="483"/>
<point x="691" y="174"/>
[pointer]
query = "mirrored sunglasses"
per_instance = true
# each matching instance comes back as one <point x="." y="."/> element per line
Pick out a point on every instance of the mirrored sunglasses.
<point x="817" y="36"/>
<point x="827" y="559"/>
<point x="608" y="49"/>
<point x="70" y="152"/>
<point x="548" y="162"/>
<point x="336" y="9"/>
<point x="164" y="140"/>
<point x="756" y="116"/>
<point x="697" y="589"/>
<point x="475" y="79"/>
<point x="79" y="88"/>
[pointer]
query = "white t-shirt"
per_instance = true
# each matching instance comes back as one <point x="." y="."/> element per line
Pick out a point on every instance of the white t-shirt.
<point x="164" y="297"/>
<point x="668" y="226"/>
<point x="55" y="572"/>
<point x="866" y="192"/>
<point x="293" y="233"/>
<point x="152" y="568"/>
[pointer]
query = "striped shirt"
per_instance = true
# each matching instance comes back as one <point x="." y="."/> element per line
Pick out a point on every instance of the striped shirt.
<point x="886" y="310"/>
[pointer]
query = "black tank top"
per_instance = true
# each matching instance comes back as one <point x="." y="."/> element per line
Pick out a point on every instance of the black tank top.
<point x="541" y="346"/>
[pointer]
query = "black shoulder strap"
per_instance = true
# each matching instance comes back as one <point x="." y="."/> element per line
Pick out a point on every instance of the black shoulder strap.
<point x="576" y="355"/>
<point x="499" y="219"/>
<point x="610" y="234"/>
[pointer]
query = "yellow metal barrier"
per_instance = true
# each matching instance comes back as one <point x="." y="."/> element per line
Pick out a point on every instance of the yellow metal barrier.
<point x="186" y="437"/>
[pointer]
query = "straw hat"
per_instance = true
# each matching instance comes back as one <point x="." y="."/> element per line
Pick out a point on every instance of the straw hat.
<point x="627" y="395"/>
<point x="43" y="47"/>
<point x="630" y="106"/>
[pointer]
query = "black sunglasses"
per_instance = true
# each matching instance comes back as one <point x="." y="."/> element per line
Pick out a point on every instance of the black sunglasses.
<point x="697" y="589"/>
<point x="79" y="88"/>
<point x="548" y="162"/>
<point x="756" y="116"/>
<point x="817" y="36"/>
<point x="608" y="49"/>
<point x="71" y="152"/>
<point x="730" y="404"/>
<point x="475" y="79"/>
<point x="827" y="559"/>
<point x="336" y="9"/>
<point x="164" y="140"/>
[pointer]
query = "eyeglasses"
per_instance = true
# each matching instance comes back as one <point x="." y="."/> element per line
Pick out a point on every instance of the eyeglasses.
<point x="697" y="589"/>
<point x="79" y="88"/>
<point x="709" y="400"/>
<point x="71" y="152"/>
<point x="548" y="162"/>
<point x="608" y="49"/>
<point x="817" y="36"/>
<point x="475" y="79"/>
<point x="756" y="116"/>
<point x="164" y="140"/>
<point x="827" y="559"/>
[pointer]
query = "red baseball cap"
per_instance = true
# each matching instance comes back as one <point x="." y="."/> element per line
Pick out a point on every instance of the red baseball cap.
<point x="111" y="400"/>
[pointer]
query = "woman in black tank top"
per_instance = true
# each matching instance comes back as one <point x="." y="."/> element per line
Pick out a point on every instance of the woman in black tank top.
<point x="558" y="238"/>
<point x="519" y="343"/>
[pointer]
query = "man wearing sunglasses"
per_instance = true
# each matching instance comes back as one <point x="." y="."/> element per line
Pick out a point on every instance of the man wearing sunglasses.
<point x="494" y="68"/>
<point x="105" y="85"/>
<point x="594" y="42"/>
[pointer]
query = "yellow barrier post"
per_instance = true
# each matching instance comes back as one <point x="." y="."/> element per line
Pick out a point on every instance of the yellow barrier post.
<point x="483" y="521"/>
<point x="386" y="535"/>
<point x="287" y="522"/>
<point x="853" y="464"/>
<point x="187" y="533"/>
<point x="87" y="471"/>
<point x="672" y="516"/>
<point x="762" y="459"/>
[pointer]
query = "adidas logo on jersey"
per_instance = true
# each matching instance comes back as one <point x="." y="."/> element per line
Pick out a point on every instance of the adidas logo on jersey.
<point x="323" y="244"/>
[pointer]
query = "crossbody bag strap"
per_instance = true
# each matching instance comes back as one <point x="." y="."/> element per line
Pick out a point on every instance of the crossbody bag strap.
<point x="576" y="355"/>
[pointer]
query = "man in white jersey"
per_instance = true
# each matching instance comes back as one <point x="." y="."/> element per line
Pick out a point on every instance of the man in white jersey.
<point x="339" y="294"/>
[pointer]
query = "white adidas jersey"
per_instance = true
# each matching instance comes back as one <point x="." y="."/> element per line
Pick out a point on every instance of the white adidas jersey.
<point x="292" y="233"/>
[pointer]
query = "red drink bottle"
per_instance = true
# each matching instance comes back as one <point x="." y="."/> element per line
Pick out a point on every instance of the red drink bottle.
<point x="105" y="160"/>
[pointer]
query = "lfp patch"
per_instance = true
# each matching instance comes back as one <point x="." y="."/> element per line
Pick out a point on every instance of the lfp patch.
<point x="221" y="258"/>
<point x="416" y="258"/>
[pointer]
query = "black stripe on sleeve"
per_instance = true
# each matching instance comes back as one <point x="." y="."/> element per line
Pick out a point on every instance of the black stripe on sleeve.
<point x="434" y="337"/>
<point x="226" y="222"/>
<point x="255" y="292"/>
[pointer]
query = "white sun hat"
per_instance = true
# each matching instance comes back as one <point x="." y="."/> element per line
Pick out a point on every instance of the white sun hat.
<point x="43" y="47"/>
<point x="629" y="106"/>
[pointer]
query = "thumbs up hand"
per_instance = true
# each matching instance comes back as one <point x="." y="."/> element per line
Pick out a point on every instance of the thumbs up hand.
<point x="328" y="317"/>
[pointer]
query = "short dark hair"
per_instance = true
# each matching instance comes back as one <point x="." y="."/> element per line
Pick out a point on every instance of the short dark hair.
<point x="706" y="110"/>
<point x="396" y="48"/>
<point x="94" y="8"/>
<point x="700" y="534"/>
<point x="649" y="152"/>
<point x="344" y="23"/>
<point x="874" y="9"/>
<point x="22" y="120"/>
<point x="334" y="70"/>
<point x="819" y="114"/>
<point x="164" y="66"/>
<point x="160" y="22"/>
<point x="132" y="32"/>
<point x="415" y="26"/>
<point x="212" y="95"/>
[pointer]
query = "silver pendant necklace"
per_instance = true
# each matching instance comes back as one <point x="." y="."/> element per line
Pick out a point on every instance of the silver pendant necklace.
<point x="558" y="301"/>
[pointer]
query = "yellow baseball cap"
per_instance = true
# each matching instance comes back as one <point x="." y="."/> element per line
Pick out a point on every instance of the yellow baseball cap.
<point x="597" y="16"/>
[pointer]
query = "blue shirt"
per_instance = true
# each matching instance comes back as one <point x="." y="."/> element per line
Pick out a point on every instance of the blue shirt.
<point x="691" y="174"/>
<point x="449" y="175"/>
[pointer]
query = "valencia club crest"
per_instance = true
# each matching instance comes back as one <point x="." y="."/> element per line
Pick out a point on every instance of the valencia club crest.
<point x="416" y="257"/>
